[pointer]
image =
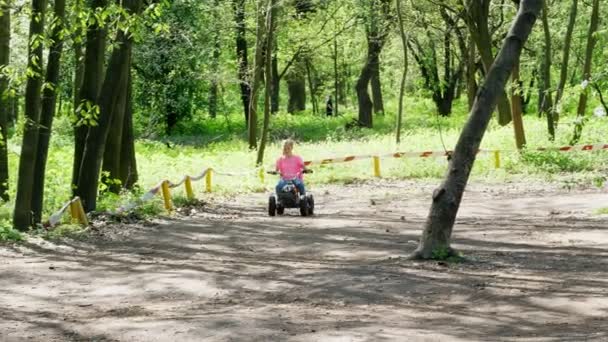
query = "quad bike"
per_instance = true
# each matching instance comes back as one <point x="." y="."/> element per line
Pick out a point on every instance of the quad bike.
<point x="289" y="197"/>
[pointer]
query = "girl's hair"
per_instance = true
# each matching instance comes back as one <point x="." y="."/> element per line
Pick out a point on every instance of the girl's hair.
<point x="288" y="142"/>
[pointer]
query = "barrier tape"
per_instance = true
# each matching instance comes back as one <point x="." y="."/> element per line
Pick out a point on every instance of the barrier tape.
<point x="164" y="186"/>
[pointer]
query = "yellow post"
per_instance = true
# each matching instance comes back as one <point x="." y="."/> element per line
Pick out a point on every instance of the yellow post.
<point x="189" y="192"/>
<point x="261" y="175"/>
<point x="377" y="166"/>
<point x="167" y="196"/>
<point x="82" y="216"/>
<point x="208" y="180"/>
<point x="74" y="211"/>
<point x="497" y="159"/>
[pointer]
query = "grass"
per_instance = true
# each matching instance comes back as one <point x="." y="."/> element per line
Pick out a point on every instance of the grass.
<point x="221" y="144"/>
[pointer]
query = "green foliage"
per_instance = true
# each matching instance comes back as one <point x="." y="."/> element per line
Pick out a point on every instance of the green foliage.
<point x="603" y="211"/>
<point x="556" y="162"/>
<point x="7" y="233"/>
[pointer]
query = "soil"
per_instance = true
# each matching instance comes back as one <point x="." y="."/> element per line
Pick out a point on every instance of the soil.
<point x="535" y="269"/>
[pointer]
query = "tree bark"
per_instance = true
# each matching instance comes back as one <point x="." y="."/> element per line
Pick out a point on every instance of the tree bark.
<point x="547" y="102"/>
<point x="5" y="99"/>
<point x="377" y="87"/>
<point x="22" y="217"/>
<point x="270" y="20"/>
<point x="435" y="240"/>
<point x="374" y="46"/>
<point x="404" y="75"/>
<point x="336" y="78"/>
<point x="275" y="96"/>
<point x="311" y="85"/>
<point x="471" y="73"/>
<point x="91" y="84"/>
<point x="128" y="162"/>
<point x="477" y="21"/>
<point x="49" y="99"/>
<point x="257" y="77"/>
<point x="241" y="54"/>
<point x="118" y="70"/>
<point x="582" y="102"/>
<point x="563" y="75"/>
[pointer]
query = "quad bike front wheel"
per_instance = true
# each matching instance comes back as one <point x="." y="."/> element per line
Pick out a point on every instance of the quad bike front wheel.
<point x="272" y="206"/>
<point x="280" y="209"/>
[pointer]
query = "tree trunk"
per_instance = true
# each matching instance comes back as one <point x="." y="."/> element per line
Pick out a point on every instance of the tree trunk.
<point x="22" y="217"/>
<point x="49" y="98"/>
<point x="311" y="86"/>
<point x="112" y="151"/>
<point x="296" y="88"/>
<point x="471" y="72"/>
<point x="336" y="77"/>
<point x="270" y="11"/>
<point x="377" y="87"/>
<point x="91" y="84"/>
<point x="128" y="162"/>
<point x="374" y="46"/>
<point x="547" y="103"/>
<point x="215" y="64"/>
<point x="404" y="75"/>
<point x="516" y="106"/>
<point x="477" y="21"/>
<point x="582" y="102"/>
<point x="275" y="96"/>
<point x="566" y="58"/>
<point x="5" y="99"/>
<point x="241" y="55"/>
<point x="118" y="70"/>
<point x="257" y="77"/>
<point x="435" y="240"/>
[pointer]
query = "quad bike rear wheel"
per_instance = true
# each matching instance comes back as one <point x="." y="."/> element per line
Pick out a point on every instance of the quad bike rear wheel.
<point x="303" y="206"/>
<point x="272" y="206"/>
<point x="280" y="209"/>
<point x="311" y="204"/>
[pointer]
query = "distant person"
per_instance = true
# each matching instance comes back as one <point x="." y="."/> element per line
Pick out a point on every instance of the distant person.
<point x="329" y="106"/>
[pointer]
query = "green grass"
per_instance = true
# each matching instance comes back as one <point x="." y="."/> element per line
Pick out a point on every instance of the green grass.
<point x="221" y="144"/>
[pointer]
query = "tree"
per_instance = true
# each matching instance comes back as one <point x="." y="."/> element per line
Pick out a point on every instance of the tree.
<point x="241" y="54"/>
<point x="582" y="102"/>
<point x="563" y="75"/>
<point x="377" y="31"/>
<point x="22" y="217"/>
<point x="404" y="74"/>
<point x="270" y="20"/>
<point x="438" y="228"/>
<point x="215" y="61"/>
<point x="5" y="99"/>
<point x="546" y="101"/>
<point x="87" y="108"/>
<point x="258" y="72"/>
<point x="49" y="100"/>
<point x="476" y="16"/>
<point x="116" y="76"/>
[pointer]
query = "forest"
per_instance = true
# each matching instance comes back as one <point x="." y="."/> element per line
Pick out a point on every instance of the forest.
<point x="456" y="151"/>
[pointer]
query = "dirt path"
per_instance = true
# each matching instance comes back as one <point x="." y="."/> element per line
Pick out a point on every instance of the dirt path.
<point x="537" y="271"/>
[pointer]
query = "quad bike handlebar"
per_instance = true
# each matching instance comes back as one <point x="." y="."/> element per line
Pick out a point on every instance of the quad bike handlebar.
<point x="276" y="172"/>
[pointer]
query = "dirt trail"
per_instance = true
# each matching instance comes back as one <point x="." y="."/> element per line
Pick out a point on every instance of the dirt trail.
<point x="537" y="270"/>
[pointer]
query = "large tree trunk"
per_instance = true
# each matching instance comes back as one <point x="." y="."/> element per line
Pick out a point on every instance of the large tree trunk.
<point x="377" y="87"/>
<point x="547" y="102"/>
<point x="112" y="151"/>
<point x="91" y="84"/>
<point x="270" y="20"/>
<point x="5" y="100"/>
<point x="471" y="73"/>
<point x="275" y="96"/>
<point x="404" y="75"/>
<point x="311" y="86"/>
<point x="49" y="99"/>
<point x="257" y="76"/>
<point x="563" y="75"/>
<point x="22" y="217"/>
<point x="435" y="240"/>
<point x="477" y="21"/>
<point x="374" y="46"/>
<point x="128" y="163"/>
<point x="241" y="55"/>
<point x="118" y="70"/>
<point x="591" y="41"/>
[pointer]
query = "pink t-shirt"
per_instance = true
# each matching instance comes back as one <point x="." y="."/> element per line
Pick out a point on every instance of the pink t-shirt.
<point x="290" y="167"/>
